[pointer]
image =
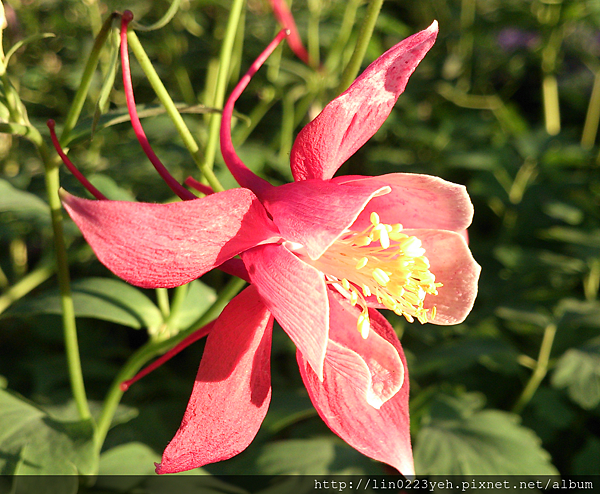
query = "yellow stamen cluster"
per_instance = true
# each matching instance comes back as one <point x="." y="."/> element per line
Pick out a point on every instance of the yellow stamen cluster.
<point x="384" y="262"/>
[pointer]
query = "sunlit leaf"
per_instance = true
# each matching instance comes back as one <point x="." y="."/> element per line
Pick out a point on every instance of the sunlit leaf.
<point x="459" y="438"/>
<point x="98" y="298"/>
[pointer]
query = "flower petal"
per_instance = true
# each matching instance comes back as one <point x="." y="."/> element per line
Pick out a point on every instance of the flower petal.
<point x="415" y="201"/>
<point x="372" y="365"/>
<point x="166" y="245"/>
<point x="295" y="293"/>
<point x="315" y="213"/>
<point x="232" y="391"/>
<point x="382" y="434"/>
<point x="352" y="118"/>
<point x="453" y="265"/>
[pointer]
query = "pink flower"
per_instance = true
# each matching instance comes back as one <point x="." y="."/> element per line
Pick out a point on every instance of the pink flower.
<point x="321" y="254"/>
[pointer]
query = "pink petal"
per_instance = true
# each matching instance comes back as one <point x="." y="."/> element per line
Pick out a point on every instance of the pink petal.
<point x="232" y="391"/>
<point x="372" y="365"/>
<point x="315" y="213"/>
<point x="285" y="18"/>
<point x="453" y="265"/>
<point x="353" y="117"/>
<point x="295" y="293"/>
<point x="382" y="434"/>
<point x="166" y="245"/>
<point x="416" y="201"/>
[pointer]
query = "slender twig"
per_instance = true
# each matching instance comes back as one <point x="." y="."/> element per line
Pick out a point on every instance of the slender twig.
<point x="540" y="370"/>
<point x="366" y="31"/>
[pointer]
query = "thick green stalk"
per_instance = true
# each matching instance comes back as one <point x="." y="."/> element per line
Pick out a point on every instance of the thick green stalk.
<point x="540" y="370"/>
<point x="366" y="31"/>
<point x="221" y="83"/>
<point x="165" y="99"/>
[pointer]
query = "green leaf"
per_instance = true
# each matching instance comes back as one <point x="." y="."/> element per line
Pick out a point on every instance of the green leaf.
<point x="453" y="357"/>
<point x="128" y="459"/>
<point x="33" y="443"/>
<point x="318" y="456"/>
<point x="462" y="439"/>
<point x="17" y="204"/>
<point x="98" y="298"/>
<point x="578" y="370"/>
<point x="198" y="299"/>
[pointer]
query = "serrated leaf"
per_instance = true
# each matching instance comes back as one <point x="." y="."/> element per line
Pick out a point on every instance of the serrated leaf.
<point x="462" y="439"/>
<point x="578" y="370"/>
<point x="98" y="298"/>
<point x="33" y="443"/>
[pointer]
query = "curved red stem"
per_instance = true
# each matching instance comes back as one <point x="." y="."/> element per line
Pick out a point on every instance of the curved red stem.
<point x="175" y="186"/>
<point x="238" y="169"/>
<point x="69" y="164"/>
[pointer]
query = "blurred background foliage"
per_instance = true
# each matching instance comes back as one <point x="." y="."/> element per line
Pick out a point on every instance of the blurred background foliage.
<point x="507" y="103"/>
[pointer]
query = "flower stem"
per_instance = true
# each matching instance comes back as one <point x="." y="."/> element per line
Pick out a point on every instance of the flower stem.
<point x="162" y="297"/>
<point x="362" y="43"/>
<point x="165" y="99"/>
<point x="36" y="277"/>
<point x="221" y="84"/>
<point x="62" y="266"/>
<point x="86" y="80"/>
<point x="540" y="370"/>
<point x="592" y="118"/>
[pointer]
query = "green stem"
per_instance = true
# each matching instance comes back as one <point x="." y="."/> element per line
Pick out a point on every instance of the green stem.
<point x="221" y="83"/>
<point x="335" y="53"/>
<point x="540" y="370"/>
<point x="366" y="31"/>
<point x="150" y="350"/>
<point x="62" y="266"/>
<point x="590" y="128"/>
<point x="165" y="99"/>
<point x="162" y="297"/>
<point x="86" y="80"/>
<point x="314" y="8"/>
<point x="33" y="279"/>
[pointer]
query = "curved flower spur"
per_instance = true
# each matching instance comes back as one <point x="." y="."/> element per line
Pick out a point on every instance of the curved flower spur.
<point x="322" y="254"/>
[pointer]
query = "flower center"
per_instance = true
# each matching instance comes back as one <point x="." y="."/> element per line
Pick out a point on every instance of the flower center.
<point x="383" y="262"/>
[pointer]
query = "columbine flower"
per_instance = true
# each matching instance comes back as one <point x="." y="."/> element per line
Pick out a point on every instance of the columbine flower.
<point x="321" y="254"/>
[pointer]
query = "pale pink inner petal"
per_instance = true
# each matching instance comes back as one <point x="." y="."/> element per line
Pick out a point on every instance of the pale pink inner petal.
<point x="314" y="213"/>
<point x="382" y="434"/>
<point x="350" y="120"/>
<point x="416" y="201"/>
<point x="167" y="245"/>
<point x="453" y="265"/>
<point x="232" y="391"/>
<point x="295" y="293"/>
